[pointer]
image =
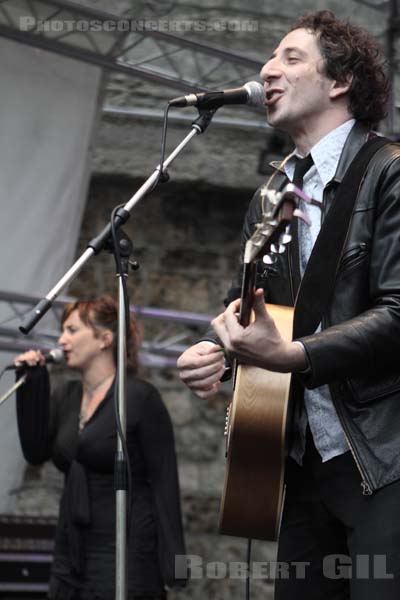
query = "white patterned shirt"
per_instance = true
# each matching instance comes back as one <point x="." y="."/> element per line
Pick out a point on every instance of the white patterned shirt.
<point x="318" y="410"/>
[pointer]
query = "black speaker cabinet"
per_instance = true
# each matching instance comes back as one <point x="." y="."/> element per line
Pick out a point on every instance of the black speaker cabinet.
<point x="26" y="553"/>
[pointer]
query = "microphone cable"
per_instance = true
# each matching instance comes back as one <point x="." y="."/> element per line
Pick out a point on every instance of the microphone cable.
<point x="162" y="176"/>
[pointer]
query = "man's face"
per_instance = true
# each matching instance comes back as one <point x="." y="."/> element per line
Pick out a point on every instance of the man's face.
<point x="298" y="94"/>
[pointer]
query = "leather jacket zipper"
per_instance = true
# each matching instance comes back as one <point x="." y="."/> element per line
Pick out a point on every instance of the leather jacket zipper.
<point x="366" y="487"/>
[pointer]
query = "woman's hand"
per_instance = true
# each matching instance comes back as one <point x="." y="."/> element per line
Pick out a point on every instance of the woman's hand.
<point x="31" y="358"/>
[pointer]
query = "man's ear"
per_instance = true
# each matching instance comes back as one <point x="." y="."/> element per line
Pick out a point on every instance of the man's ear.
<point x="340" y="88"/>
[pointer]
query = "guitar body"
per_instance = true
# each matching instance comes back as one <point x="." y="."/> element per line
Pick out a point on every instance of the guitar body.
<point x="253" y="492"/>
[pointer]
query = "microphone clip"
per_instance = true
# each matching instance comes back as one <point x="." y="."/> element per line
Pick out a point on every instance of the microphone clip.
<point x="204" y="119"/>
<point x="163" y="176"/>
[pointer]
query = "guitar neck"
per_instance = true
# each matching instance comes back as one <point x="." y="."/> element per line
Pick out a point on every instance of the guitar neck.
<point x="247" y="296"/>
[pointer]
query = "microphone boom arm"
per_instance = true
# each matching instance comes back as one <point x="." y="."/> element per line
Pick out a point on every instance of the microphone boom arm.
<point x="98" y="243"/>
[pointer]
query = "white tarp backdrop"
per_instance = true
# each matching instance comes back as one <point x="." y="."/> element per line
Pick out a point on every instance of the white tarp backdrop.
<point x="47" y="112"/>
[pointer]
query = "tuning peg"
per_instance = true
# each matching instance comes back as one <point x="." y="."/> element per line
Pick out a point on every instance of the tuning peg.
<point x="268" y="259"/>
<point x="286" y="236"/>
<point x="301" y="215"/>
<point x="277" y="248"/>
<point x="285" y="239"/>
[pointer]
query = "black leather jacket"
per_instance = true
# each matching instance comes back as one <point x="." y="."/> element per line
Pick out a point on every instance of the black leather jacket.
<point x="358" y="350"/>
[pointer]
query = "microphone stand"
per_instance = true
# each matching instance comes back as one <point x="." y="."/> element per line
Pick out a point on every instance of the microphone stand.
<point x="13" y="388"/>
<point x="102" y="240"/>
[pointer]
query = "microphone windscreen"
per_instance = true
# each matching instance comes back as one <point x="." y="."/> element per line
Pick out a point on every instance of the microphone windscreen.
<point x="56" y="355"/>
<point x="256" y="93"/>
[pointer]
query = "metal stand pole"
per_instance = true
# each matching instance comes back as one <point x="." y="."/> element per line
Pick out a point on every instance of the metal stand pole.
<point x="121" y="481"/>
<point x="120" y="487"/>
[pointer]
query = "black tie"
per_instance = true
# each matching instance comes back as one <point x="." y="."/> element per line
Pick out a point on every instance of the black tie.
<point x="301" y="168"/>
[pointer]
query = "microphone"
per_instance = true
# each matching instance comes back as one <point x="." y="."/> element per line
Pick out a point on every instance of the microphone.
<point x="56" y="355"/>
<point x="251" y="93"/>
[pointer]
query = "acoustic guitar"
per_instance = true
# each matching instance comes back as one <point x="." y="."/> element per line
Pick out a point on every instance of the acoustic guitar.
<point x="255" y="429"/>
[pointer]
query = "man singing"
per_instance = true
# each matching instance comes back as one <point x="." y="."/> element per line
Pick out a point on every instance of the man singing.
<point x="325" y="86"/>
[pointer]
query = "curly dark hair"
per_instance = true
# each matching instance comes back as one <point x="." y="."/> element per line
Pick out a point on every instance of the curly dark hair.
<point x="102" y="313"/>
<point x="351" y="51"/>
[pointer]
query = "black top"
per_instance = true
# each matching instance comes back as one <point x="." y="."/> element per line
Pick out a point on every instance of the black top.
<point x="85" y="539"/>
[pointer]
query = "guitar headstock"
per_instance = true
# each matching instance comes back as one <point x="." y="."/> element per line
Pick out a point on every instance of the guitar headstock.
<point x="272" y="234"/>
